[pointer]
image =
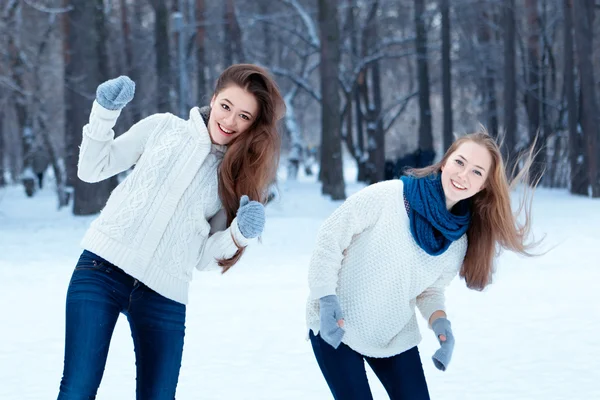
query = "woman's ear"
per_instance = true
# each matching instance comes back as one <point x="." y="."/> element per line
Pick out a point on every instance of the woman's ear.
<point x="212" y="101"/>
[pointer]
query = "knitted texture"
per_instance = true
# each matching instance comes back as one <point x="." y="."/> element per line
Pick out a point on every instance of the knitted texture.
<point x="114" y="94"/>
<point x="365" y="254"/>
<point x="442" y="356"/>
<point x="155" y="225"/>
<point x="251" y="217"/>
<point x="330" y="313"/>
<point x="432" y="225"/>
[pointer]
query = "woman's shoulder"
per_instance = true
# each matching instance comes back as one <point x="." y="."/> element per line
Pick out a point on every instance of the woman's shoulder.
<point x="382" y="193"/>
<point x="388" y="188"/>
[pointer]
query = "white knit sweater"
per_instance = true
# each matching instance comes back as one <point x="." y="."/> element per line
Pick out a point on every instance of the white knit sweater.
<point x="155" y="225"/>
<point x="366" y="255"/>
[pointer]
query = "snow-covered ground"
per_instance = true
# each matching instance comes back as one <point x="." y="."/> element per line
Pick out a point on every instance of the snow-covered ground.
<point x="530" y="335"/>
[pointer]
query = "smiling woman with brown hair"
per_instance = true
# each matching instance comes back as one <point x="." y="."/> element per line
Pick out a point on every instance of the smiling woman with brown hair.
<point x="186" y="204"/>
<point x="397" y="245"/>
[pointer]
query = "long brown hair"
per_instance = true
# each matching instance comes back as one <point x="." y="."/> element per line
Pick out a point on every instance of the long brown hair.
<point x="494" y="226"/>
<point x="250" y="163"/>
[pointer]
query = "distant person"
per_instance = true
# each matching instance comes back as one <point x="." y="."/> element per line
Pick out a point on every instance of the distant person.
<point x="39" y="163"/>
<point x="397" y="244"/>
<point x="194" y="199"/>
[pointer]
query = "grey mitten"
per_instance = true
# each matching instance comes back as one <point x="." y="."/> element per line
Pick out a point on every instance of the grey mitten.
<point x="115" y="93"/>
<point x="442" y="356"/>
<point x="330" y="314"/>
<point x="250" y="217"/>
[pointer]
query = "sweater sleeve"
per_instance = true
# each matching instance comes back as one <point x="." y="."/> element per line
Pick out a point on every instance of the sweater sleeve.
<point x="221" y="245"/>
<point x="101" y="155"/>
<point x="357" y="214"/>
<point x="433" y="298"/>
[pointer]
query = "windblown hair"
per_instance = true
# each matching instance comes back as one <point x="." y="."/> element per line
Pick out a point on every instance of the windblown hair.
<point x="250" y="163"/>
<point x="494" y="226"/>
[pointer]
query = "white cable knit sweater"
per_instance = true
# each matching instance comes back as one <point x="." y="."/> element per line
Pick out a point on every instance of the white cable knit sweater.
<point x="366" y="255"/>
<point x="155" y="225"/>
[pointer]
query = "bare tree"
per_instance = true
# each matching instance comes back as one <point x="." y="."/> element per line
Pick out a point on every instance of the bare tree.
<point x="86" y="67"/>
<point x="332" y="177"/>
<point x="446" y="74"/>
<point x="233" y="51"/>
<point x="163" y="55"/>
<point x="533" y="94"/>
<point x="578" y="177"/>
<point x="2" y="148"/>
<point x="202" y="91"/>
<point x="425" y="128"/>
<point x="486" y="43"/>
<point x="583" y="12"/>
<point x="510" y="82"/>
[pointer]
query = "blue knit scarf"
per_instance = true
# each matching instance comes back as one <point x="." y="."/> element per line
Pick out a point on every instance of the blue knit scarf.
<point x="433" y="227"/>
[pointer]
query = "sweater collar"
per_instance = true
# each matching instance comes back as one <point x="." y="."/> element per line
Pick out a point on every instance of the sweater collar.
<point x="199" y="119"/>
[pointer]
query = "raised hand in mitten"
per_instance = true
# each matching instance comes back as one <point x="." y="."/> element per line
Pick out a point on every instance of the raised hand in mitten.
<point x="115" y="93"/>
<point x="250" y="218"/>
<point x="443" y="332"/>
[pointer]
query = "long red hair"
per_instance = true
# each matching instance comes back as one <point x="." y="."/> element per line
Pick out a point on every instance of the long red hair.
<point x="250" y="163"/>
<point x="494" y="226"/>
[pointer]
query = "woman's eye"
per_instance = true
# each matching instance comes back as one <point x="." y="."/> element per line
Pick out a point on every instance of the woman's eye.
<point x="245" y="117"/>
<point x="225" y="107"/>
<point x="459" y="162"/>
<point x="477" y="173"/>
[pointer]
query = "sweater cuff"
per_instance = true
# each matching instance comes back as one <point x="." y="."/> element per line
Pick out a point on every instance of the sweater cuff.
<point x="428" y="309"/>
<point x="321" y="291"/>
<point x="239" y="239"/>
<point x="101" y="123"/>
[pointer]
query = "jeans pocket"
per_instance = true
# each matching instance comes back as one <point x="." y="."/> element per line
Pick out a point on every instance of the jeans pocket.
<point x="89" y="260"/>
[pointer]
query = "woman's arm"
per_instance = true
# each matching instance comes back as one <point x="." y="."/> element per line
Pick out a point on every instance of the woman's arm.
<point x="432" y="302"/>
<point x="100" y="155"/>
<point x="222" y="242"/>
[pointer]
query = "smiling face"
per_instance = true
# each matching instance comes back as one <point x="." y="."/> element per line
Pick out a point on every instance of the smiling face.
<point x="465" y="172"/>
<point x="233" y="110"/>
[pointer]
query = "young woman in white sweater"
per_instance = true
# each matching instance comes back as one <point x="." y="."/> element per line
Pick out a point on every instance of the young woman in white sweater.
<point x="397" y="244"/>
<point x="185" y="205"/>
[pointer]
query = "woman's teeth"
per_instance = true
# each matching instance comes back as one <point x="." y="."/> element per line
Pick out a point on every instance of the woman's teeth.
<point x="227" y="131"/>
<point x="456" y="185"/>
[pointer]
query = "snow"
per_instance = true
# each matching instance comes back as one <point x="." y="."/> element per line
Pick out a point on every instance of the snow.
<point x="530" y="335"/>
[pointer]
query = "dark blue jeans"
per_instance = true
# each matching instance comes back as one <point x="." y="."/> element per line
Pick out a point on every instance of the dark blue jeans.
<point x="97" y="294"/>
<point x="402" y="375"/>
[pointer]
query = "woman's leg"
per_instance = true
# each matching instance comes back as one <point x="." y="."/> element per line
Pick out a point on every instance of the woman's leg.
<point x="158" y="328"/>
<point x="91" y="314"/>
<point x="402" y="375"/>
<point x="343" y="369"/>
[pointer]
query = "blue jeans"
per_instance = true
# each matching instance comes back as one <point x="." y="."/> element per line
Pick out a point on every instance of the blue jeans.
<point x="97" y="294"/>
<point x="402" y="375"/>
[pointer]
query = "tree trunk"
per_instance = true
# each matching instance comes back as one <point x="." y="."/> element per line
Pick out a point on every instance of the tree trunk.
<point x="425" y="128"/>
<point x="203" y="96"/>
<point x="510" y="85"/>
<point x="84" y="71"/>
<point x="238" y="48"/>
<point x="130" y="65"/>
<point x="371" y="91"/>
<point x="448" y="136"/>
<point x="163" y="56"/>
<point x="233" y="50"/>
<point x="578" y="177"/>
<point x="356" y="146"/>
<point x="2" y="151"/>
<point x="583" y="13"/>
<point x="360" y="134"/>
<point x="331" y="147"/>
<point x="534" y="92"/>
<point x="488" y="87"/>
